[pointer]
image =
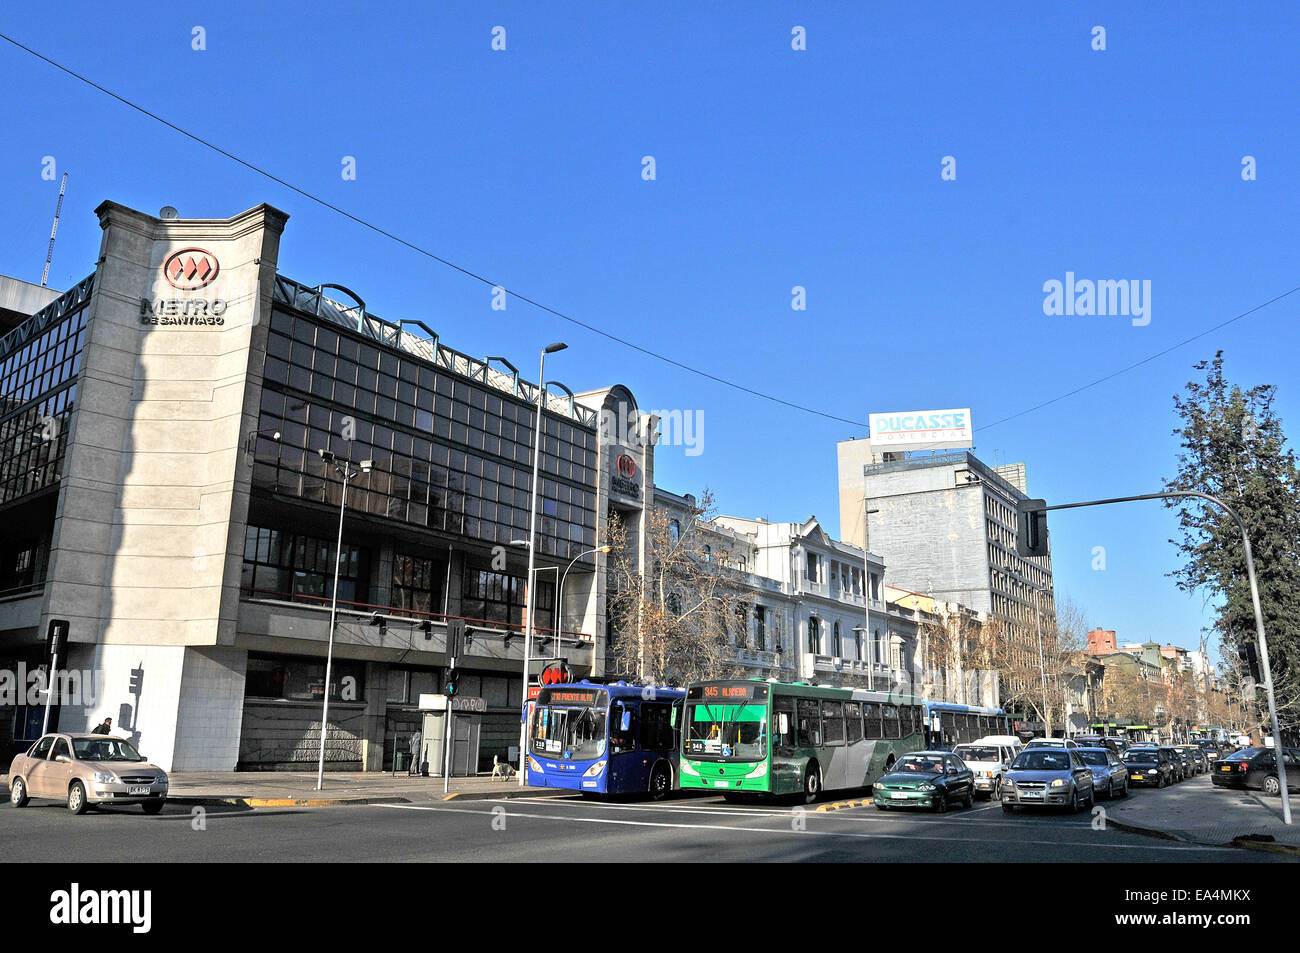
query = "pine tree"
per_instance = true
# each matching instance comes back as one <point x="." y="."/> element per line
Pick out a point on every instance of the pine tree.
<point x="1233" y="447"/>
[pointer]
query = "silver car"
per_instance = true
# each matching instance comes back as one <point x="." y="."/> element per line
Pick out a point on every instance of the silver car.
<point x="86" y="770"/>
<point x="1109" y="774"/>
<point x="1048" y="777"/>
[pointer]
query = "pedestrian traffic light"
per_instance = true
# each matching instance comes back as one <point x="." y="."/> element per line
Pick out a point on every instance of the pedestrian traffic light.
<point x="1250" y="659"/>
<point x="453" y="677"/>
<point x="1031" y="527"/>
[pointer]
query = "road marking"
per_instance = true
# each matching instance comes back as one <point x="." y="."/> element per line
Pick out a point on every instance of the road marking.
<point x="853" y="835"/>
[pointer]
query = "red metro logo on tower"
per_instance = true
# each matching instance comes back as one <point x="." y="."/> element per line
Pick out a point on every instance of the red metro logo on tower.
<point x="188" y="269"/>
<point x="191" y="269"/>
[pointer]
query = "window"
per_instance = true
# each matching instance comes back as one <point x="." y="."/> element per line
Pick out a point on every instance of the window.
<point x="833" y="722"/>
<point x="60" y="749"/>
<point x="418" y="583"/>
<point x="853" y="722"/>
<point x="814" y="634"/>
<point x="657" y="726"/>
<point x="838" y="653"/>
<point x="812" y="568"/>
<point x="810" y="727"/>
<point x="760" y="628"/>
<point x="892" y="727"/>
<point x="297" y="679"/>
<point x="502" y="598"/>
<point x="783" y="706"/>
<point x="622" y="727"/>
<point x="675" y="530"/>
<point x="42" y="748"/>
<point x="280" y="565"/>
<point x="871" y="721"/>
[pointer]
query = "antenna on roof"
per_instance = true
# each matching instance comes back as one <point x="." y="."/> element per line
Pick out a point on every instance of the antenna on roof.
<point x="63" y="186"/>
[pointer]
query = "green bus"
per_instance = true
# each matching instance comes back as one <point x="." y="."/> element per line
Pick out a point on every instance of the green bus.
<point x="744" y="737"/>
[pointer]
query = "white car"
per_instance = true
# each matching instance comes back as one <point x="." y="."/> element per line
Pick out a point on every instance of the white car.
<point x="988" y="759"/>
<point x="1051" y="743"/>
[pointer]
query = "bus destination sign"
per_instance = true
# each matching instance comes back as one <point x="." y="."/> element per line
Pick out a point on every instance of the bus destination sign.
<point x="729" y="691"/>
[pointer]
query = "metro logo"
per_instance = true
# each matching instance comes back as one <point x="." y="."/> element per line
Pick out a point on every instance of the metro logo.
<point x="191" y="269"/>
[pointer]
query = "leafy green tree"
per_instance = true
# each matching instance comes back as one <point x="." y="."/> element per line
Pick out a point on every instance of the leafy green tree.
<point x="1233" y="446"/>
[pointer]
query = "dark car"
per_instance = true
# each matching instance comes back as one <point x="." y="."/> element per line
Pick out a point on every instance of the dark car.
<point x="1182" y="764"/>
<point x="929" y="779"/>
<point x="1198" y="757"/>
<point x="1109" y="774"/>
<point x="1100" y="741"/>
<point x="1152" y="767"/>
<point x="1212" y="750"/>
<point x="1256" y="769"/>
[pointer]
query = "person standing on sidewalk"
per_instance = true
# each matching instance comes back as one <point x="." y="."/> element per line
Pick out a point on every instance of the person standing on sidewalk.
<point x="414" y="766"/>
<point x="103" y="728"/>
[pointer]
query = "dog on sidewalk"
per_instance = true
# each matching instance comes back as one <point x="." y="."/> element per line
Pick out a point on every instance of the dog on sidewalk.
<point x="501" y="769"/>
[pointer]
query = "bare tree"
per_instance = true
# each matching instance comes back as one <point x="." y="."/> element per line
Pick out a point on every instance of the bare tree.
<point x="677" y="621"/>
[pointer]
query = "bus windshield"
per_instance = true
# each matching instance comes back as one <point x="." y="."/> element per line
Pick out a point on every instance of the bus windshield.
<point x="730" y="732"/>
<point x="569" y="733"/>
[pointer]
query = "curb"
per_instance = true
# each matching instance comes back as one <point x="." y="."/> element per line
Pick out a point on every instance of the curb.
<point x="844" y="805"/>
<point x="1266" y="846"/>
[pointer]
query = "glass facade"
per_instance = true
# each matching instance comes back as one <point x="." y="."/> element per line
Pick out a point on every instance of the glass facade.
<point x="38" y="373"/>
<point x="450" y="454"/>
<point x="280" y="565"/>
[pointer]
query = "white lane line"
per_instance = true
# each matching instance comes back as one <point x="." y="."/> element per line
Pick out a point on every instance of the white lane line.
<point x="765" y="830"/>
<point x="670" y="809"/>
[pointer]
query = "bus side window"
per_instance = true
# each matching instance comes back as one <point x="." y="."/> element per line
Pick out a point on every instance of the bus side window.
<point x="622" y="728"/>
<point x="871" y="718"/>
<point x="853" y="722"/>
<point x="783" y="730"/>
<point x="810" y="725"/>
<point x="656" y="726"/>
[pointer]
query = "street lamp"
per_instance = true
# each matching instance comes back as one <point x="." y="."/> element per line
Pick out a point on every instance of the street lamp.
<point x="559" y="605"/>
<point x="344" y="469"/>
<point x="532" y="533"/>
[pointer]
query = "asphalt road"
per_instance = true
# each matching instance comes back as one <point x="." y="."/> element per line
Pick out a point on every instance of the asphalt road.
<point x="571" y="829"/>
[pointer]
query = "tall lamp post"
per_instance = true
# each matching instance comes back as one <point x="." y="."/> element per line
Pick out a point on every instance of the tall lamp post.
<point x="344" y="469"/>
<point x="532" y="534"/>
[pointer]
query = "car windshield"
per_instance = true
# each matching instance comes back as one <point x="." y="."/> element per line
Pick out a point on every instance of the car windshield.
<point x="104" y="749"/>
<point x="1097" y="758"/>
<point x="1141" y="757"/>
<point x="919" y="764"/>
<point x="734" y="732"/>
<point x="977" y="753"/>
<point x="1042" y="759"/>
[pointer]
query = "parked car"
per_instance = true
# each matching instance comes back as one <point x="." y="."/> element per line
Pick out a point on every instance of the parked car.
<point x="1051" y="743"/>
<point x="1109" y="775"/>
<point x="1256" y="769"/>
<point x="1048" y="776"/>
<point x="1150" y="766"/>
<point x="1197" y="756"/>
<point x="988" y="762"/>
<point x="929" y="779"/>
<point x="85" y="771"/>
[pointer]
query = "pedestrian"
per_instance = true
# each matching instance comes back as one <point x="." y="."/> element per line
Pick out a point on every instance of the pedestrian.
<point x="414" y="766"/>
<point x="103" y="728"/>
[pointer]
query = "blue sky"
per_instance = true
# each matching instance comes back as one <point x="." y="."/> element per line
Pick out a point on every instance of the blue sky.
<point x="775" y="168"/>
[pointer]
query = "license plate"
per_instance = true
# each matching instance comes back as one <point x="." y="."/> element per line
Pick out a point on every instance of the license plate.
<point x="719" y="784"/>
<point x="1226" y="767"/>
<point x="897" y="795"/>
<point x="1031" y="795"/>
<point x="139" y="789"/>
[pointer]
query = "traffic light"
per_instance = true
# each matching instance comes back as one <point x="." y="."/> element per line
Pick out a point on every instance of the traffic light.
<point x="1250" y="659"/>
<point x="137" y="680"/>
<point x="1031" y="527"/>
<point x="453" y="677"/>
<point x="56" y="637"/>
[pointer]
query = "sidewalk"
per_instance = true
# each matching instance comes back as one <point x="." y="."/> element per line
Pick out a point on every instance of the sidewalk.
<point x="1198" y="812"/>
<point x="298" y="788"/>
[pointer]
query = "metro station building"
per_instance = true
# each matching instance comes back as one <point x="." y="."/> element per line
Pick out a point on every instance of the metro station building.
<point x="162" y="490"/>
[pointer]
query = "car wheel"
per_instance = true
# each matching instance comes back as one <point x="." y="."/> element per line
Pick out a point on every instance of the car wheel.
<point x="1092" y="797"/>
<point x="1272" y="787"/>
<point x="970" y="799"/>
<point x="660" y="784"/>
<point x="997" y="790"/>
<point x="77" y="798"/>
<point x="1123" y="790"/>
<point x="941" y="802"/>
<point x="153" y="807"/>
<point x="812" y="784"/>
<point x="18" y="793"/>
<point x="1074" y="801"/>
<point x="1160" y="781"/>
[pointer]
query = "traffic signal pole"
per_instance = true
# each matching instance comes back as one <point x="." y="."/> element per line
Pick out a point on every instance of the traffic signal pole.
<point x="1035" y="507"/>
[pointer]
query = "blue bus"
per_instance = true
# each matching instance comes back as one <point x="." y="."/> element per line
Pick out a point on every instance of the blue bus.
<point x="949" y="724"/>
<point x="605" y="739"/>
